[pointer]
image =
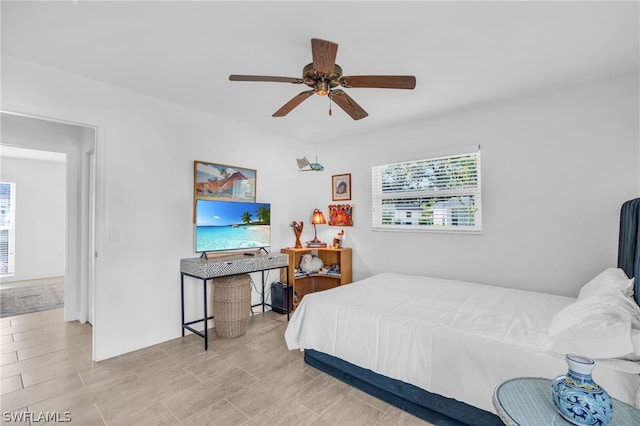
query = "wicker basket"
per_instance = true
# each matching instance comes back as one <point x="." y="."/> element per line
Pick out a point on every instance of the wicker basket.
<point x="231" y="305"/>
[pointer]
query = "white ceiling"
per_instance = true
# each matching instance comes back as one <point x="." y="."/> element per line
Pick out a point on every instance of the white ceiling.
<point x="32" y="154"/>
<point x="461" y="53"/>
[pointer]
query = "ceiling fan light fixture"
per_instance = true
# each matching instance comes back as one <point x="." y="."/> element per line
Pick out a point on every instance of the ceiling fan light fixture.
<point x="322" y="88"/>
<point x="323" y="76"/>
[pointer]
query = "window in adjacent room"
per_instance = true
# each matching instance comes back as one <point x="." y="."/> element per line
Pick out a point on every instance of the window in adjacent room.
<point x="429" y="193"/>
<point x="7" y="228"/>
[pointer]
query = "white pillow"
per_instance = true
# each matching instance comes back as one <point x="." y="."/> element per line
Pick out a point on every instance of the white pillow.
<point x="609" y="281"/>
<point x="601" y="326"/>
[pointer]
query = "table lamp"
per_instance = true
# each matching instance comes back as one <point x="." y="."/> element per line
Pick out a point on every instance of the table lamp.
<point x="317" y="219"/>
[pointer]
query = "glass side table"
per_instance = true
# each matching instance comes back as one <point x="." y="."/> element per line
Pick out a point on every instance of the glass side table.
<point x="526" y="401"/>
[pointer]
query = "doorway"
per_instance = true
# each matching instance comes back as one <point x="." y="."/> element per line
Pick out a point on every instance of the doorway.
<point x="78" y="143"/>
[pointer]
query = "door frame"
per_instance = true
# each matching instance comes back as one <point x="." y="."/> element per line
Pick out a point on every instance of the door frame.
<point x="81" y="209"/>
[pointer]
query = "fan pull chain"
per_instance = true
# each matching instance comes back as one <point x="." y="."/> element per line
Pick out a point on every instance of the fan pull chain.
<point x="329" y="106"/>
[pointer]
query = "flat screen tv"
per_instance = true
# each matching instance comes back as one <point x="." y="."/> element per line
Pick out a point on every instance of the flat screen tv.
<point x="232" y="225"/>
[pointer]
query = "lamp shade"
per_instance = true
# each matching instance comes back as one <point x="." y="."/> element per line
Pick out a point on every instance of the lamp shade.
<point x="317" y="218"/>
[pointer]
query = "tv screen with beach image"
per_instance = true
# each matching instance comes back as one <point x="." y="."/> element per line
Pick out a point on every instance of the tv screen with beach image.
<point x="231" y="225"/>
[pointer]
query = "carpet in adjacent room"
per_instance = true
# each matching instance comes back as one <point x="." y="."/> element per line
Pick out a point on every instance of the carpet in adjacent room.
<point x="24" y="299"/>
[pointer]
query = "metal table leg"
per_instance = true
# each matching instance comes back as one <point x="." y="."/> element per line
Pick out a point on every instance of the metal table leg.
<point x="182" y="301"/>
<point x="206" y="320"/>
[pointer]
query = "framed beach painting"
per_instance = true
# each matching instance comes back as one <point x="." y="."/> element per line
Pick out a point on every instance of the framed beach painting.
<point x="341" y="187"/>
<point x="212" y="181"/>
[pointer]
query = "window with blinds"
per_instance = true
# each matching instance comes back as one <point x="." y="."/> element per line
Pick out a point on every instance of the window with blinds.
<point x="7" y="228"/>
<point x="433" y="193"/>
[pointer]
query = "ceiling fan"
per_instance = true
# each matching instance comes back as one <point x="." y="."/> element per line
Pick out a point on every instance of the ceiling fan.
<point x="323" y="75"/>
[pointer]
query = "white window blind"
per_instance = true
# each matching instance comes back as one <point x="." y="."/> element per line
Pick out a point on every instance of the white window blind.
<point x="7" y="228"/>
<point x="431" y="193"/>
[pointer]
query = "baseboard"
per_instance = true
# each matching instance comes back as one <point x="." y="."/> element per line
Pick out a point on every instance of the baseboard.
<point x="16" y="278"/>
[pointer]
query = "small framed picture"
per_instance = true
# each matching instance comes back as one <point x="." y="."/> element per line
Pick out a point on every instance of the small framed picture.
<point x="341" y="215"/>
<point x="341" y="187"/>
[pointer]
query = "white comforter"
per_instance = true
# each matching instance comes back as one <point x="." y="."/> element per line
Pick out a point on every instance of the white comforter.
<point x="453" y="338"/>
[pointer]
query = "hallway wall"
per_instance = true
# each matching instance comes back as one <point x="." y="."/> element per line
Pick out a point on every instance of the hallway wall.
<point x="40" y="216"/>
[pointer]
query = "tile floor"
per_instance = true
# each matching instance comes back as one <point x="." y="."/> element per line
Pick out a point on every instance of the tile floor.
<point x="47" y="373"/>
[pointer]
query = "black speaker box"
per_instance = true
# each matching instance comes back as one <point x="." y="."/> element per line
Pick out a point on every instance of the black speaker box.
<point x="279" y="294"/>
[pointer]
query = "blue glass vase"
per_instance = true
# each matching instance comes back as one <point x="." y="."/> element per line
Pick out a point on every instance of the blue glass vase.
<point x="577" y="397"/>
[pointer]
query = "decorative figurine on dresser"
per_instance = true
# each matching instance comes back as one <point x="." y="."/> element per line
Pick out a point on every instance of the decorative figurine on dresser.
<point x="297" y="229"/>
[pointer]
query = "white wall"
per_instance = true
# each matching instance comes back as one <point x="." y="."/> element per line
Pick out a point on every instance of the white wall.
<point x="41" y="213"/>
<point x="145" y="153"/>
<point x="556" y="168"/>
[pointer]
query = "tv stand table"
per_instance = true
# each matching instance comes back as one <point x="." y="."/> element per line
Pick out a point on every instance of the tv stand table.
<point x="235" y="264"/>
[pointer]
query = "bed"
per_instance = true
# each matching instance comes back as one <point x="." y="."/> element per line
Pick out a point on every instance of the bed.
<point x="437" y="348"/>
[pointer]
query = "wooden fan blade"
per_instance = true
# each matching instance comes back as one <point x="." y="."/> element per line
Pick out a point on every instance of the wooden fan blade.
<point x="345" y="102"/>
<point x="235" y="77"/>
<point x="297" y="100"/>
<point x="324" y="55"/>
<point x="380" y="81"/>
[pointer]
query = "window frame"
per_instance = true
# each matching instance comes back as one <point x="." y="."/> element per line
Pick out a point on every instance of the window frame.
<point x="473" y="193"/>
<point x="9" y="225"/>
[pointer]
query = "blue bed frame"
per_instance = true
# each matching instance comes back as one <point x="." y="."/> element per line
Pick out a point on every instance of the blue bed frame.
<point x="629" y="242"/>
<point x="443" y="411"/>
<point x="434" y="408"/>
